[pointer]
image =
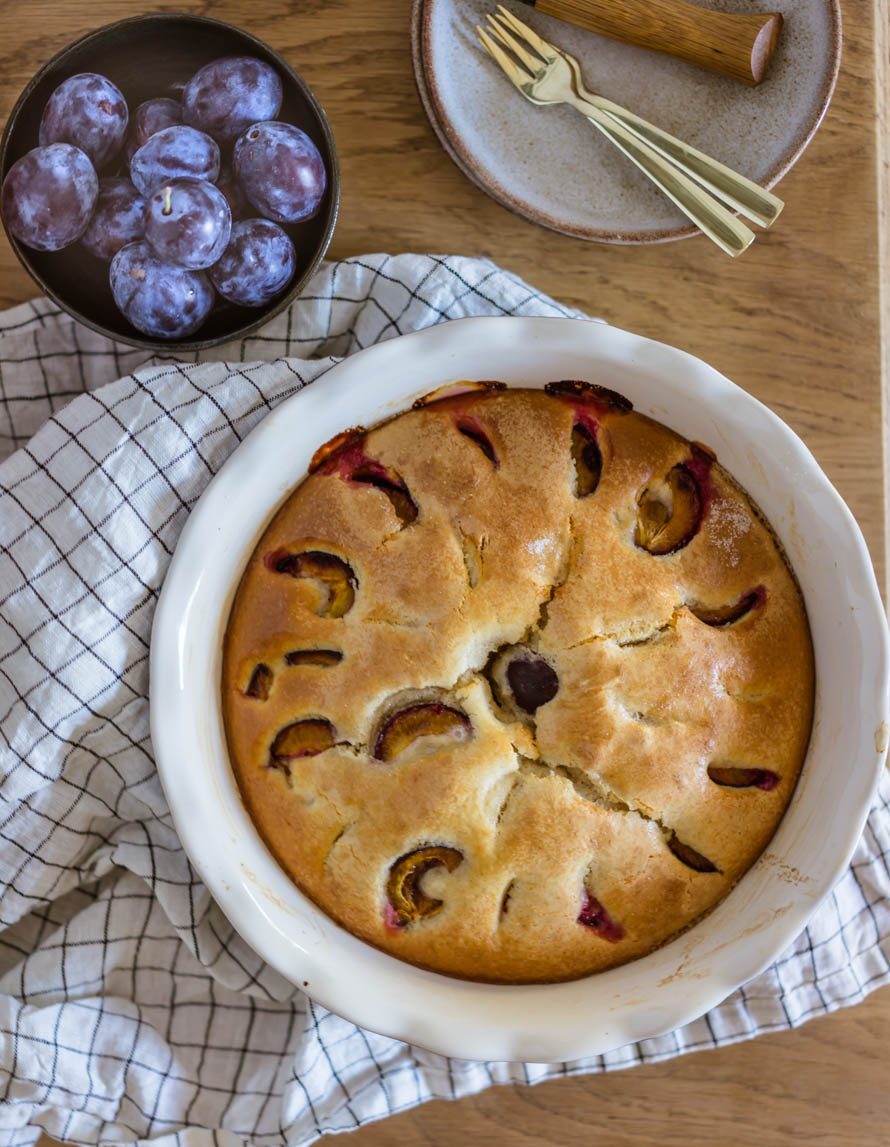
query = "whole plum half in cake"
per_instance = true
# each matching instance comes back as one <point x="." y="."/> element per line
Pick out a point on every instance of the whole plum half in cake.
<point x="518" y="683"/>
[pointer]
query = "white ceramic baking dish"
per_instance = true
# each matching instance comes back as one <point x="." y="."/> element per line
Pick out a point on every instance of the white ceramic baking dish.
<point x="772" y="902"/>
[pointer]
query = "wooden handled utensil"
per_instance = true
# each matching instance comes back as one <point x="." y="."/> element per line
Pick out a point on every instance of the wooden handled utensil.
<point x="731" y="44"/>
<point x="701" y="187"/>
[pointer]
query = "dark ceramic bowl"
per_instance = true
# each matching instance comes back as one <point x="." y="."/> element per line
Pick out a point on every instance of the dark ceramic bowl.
<point x="154" y="56"/>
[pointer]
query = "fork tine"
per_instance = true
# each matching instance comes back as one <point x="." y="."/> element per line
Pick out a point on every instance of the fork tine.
<point x="533" y="64"/>
<point x="542" y="47"/>
<point x="514" y="73"/>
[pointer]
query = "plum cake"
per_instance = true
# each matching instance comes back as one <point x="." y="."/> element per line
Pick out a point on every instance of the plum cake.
<point x="518" y="683"/>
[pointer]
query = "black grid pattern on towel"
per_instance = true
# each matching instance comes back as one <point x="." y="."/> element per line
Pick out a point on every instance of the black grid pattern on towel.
<point x="129" y="1009"/>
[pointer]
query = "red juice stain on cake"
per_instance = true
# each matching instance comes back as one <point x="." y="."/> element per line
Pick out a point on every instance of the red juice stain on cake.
<point x="345" y="456"/>
<point x="768" y="780"/>
<point x="589" y="403"/>
<point x="459" y="400"/>
<point x="595" y="917"/>
<point x="740" y="777"/>
<point x="586" y="420"/>
<point x="587" y="456"/>
<point x="699" y="464"/>
<point x="391" y="918"/>
<point x="667" y="524"/>
<point x="470" y="426"/>
<point x="326" y="458"/>
<point x="278" y="560"/>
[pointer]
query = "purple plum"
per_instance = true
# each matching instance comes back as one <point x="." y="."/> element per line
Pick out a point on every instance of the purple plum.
<point x="150" y="117"/>
<point x="89" y="112"/>
<point x="281" y="171"/>
<point x="117" y="218"/>
<point x="172" y="152"/>
<point x="48" y="196"/>
<point x="159" y="299"/>
<point x="188" y="222"/>
<point x="226" y="96"/>
<point x="257" y="265"/>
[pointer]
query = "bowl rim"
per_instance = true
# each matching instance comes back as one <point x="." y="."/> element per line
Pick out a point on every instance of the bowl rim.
<point x="465" y="1019"/>
<point x="252" y="324"/>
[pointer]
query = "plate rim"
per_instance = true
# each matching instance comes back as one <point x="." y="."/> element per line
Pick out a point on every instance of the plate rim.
<point x="267" y="909"/>
<point x="451" y="141"/>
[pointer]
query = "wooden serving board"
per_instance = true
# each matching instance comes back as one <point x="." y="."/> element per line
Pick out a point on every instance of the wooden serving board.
<point x="796" y="321"/>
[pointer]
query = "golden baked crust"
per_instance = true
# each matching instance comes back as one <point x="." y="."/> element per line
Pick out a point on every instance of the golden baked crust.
<point x="518" y="684"/>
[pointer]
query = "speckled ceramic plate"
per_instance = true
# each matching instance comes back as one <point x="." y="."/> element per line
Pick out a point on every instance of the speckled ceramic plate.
<point x="554" y="168"/>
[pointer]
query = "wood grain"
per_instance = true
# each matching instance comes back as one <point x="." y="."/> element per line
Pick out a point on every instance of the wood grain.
<point x="735" y="44"/>
<point x="882" y="70"/>
<point x="796" y="321"/>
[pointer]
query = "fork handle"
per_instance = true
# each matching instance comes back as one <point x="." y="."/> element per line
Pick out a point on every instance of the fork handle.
<point x="739" y="45"/>
<point x="737" y="190"/>
<point x="720" y="225"/>
<point x="746" y="196"/>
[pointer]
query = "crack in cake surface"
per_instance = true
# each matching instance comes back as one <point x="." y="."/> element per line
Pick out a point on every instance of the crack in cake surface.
<point x="626" y="639"/>
<point x="563" y="573"/>
<point x="591" y="787"/>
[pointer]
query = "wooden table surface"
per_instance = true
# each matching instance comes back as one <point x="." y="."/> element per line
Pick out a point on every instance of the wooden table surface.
<point x="796" y="322"/>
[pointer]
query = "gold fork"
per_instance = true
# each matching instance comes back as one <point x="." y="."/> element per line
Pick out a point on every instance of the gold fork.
<point x="552" y="76"/>
<point x="743" y="194"/>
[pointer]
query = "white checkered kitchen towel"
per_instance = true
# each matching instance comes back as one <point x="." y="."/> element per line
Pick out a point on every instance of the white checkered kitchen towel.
<point x="129" y="1009"/>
